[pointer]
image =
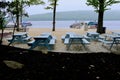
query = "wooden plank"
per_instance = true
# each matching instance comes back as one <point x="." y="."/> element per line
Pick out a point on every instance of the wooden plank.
<point x="106" y="41"/>
<point x="85" y="41"/>
<point x="27" y="38"/>
<point x="66" y="41"/>
<point x="86" y="37"/>
<point x="52" y="41"/>
<point x="31" y="42"/>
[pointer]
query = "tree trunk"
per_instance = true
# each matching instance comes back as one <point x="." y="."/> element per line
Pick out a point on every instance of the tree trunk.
<point x="100" y="17"/>
<point x="54" y="15"/>
<point x="17" y="15"/>
<point x="100" y="22"/>
<point x="13" y="31"/>
<point x="21" y="11"/>
<point x="17" y="21"/>
<point x="1" y="34"/>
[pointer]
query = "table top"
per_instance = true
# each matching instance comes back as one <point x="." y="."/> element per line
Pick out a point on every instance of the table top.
<point x="70" y="32"/>
<point x="41" y="37"/>
<point x="75" y="36"/>
<point x="45" y="33"/>
<point x="93" y="33"/>
<point x="20" y="33"/>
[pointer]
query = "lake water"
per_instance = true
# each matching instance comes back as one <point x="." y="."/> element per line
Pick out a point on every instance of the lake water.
<point x="65" y="24"/>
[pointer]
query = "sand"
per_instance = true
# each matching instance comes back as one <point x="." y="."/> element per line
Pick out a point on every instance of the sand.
<point x="59" y="46"/>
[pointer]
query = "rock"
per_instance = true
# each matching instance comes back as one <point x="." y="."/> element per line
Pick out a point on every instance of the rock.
<point x="13" y="64"/>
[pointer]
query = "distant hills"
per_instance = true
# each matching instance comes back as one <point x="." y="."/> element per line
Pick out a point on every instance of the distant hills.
<point x="75" y="15"/>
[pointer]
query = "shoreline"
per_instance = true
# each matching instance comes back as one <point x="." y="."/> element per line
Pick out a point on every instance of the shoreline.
<point x="110" y="24"/>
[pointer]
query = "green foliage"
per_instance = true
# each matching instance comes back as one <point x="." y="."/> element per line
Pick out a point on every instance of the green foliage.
<point x="36" y="2"/>
<point x="17" y="6"/>
<point x="51" y="4"/>
<point x="100" y="7"/>
<point x="96" y="4"/>
<point x="3" y="6"/>
<point x="48" y="7"/>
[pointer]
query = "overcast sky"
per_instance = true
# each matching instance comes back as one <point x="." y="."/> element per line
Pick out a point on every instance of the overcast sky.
<point x="66" y="5"/>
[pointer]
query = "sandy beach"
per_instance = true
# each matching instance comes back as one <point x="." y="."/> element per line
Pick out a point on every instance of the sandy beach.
<point x="59" y="46"/>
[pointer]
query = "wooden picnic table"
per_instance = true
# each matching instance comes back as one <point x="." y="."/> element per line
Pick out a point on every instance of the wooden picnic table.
<point x="75" y="39"/>
<point x="116" y="40"/>
<point x="21" y="37"/>
<point x="116" y="33"/>
<point x="93" y="35"/>
<point x="67" y="35"/>
<point x="111" y="39"/>
<point x="42" y="40"/>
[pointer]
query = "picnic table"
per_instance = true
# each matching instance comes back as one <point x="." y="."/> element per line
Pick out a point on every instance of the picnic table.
<point x="66" y="35"/>
<point x="75" y="39"/>
<point x="111" y="39"/>
<point x="93" y="35"/>
<point x="21" y="37"/>
<point x="116" y="40"/>
<point x="116" y="33"/>
<point x="42" y="40"/>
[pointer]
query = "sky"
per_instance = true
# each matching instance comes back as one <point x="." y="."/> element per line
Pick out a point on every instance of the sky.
<point x="66" y="5"/>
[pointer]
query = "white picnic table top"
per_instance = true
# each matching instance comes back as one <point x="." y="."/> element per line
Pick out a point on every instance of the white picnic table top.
<point x="20" y="33"/>
<point x="70" y="32"/>
<point x="41" y="36"/>
<point x="75" y="36"/>
<point x="45" y="33"/>
<point x="93" y="33"/>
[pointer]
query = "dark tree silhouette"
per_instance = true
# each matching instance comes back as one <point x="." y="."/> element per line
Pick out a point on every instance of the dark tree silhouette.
<point x="100" y="7"/>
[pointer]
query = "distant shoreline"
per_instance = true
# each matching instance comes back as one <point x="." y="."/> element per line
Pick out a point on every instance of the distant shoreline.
<point x="66" y="24"/>
<point x="75" y="15"/>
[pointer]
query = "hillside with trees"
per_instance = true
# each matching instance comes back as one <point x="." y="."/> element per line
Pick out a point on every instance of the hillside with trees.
<point x="75" y="15"/>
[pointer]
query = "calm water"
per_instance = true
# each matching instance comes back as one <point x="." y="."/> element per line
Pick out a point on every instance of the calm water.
<point x="65" y="24"/>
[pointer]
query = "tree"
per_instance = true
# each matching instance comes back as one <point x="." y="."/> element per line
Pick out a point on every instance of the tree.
<point x="100" y="7"/>
<point x="25" y="3"/>
<point x="17" y="8"/>
<point x="3" y="11"/>
<point x="52" y="5"/>
<point x="36" y="2"/>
